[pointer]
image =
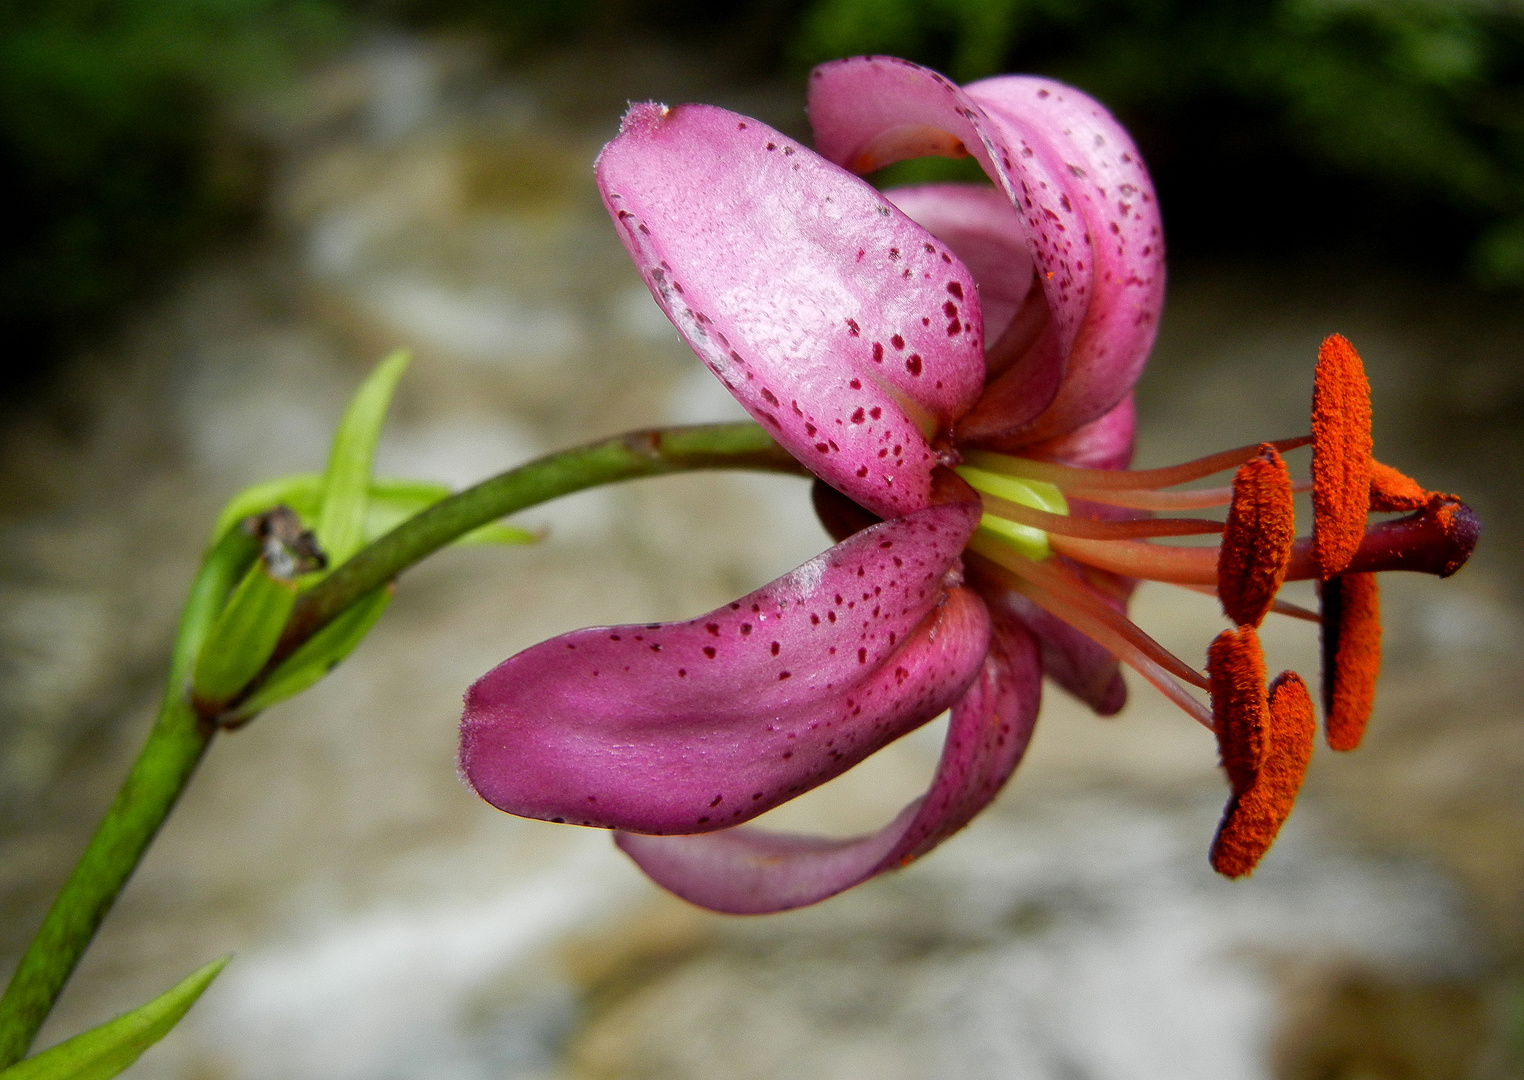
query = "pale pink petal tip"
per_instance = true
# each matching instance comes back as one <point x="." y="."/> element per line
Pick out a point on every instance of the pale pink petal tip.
<point x="642" y="116"/>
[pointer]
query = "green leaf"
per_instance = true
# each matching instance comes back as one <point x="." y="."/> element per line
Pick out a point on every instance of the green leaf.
<point x="243" y="637"/>
<point x="346" y="484"/>
<point x="302" y="492"/>
<point x="103" y="1052"/>
<point x="391" y="502"/>
<point x="319" y="655"/>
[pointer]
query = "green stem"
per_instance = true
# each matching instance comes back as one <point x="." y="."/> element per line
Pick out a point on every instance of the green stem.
<point x="162" y="769"/>
<point x="180" y="738"/>
<point x="652" y="452"/>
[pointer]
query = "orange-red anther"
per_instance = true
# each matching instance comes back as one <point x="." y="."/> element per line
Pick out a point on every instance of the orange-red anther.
<point x="1393" y="491"/>
<point x="1341" y="455"/>
<point x="1254" y="817"/>
<point x="1256" y="542"/>
<point x="1351" y="606"/>
<point x="1240" y="709"/>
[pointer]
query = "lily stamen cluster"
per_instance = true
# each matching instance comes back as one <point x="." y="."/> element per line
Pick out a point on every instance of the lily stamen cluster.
<point x="1027" y="522"/>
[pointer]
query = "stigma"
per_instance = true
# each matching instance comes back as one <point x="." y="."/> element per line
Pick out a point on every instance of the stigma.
<point x="1064" y="537"/>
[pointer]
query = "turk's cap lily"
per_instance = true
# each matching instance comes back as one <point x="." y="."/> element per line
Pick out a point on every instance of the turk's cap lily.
<point x="955" y="365"/>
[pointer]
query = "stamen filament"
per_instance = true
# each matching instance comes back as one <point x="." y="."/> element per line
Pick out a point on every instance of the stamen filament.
<point x="1066" y="476"/>
<point x="1119" y="644"/>
<point x="1069" y="588"/>
<point x="1197" y="499"/>
<point x="1091" y="528"/>
<point x="1140" y="559"/>
<point x="1279" y="607"/>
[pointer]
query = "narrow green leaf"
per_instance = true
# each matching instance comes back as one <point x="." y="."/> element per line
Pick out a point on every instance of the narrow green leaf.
<point x="394" y="501"/>
<point x="243" y="637"/>
<point x="103" y="1052"/>
<point x="319" y="655"/>
<point x="390" y="503"/>
<point x="302" y="492"/>
<point x="346" y="484"/>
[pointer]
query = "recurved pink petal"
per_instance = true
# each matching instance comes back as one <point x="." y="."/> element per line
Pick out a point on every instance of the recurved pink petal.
<point x="688" y="727"/>
<point x="1117" y="246"/>
<point x="865" y="110"/>
<point x="1066" y="166"/>
<point x="750" y="871"/>
<point x="850" y="332"/>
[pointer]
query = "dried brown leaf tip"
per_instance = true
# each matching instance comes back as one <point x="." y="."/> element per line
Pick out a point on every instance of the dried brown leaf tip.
<point x="1351" y="606"/>
<point x="1257" y="538"/>
<point x="1255" y="815"/>
<point x="1341" y="455"/>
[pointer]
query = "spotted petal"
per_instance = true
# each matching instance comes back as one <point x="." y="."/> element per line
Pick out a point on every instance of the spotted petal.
<point x="983" y="230"/>
<point x="749" y="871"/>
<point x="850" y="332"/>
<point x="1024" y="363"/>
<point x="694" y="726"/>
<point x="1121" y="239"/>
<point x="1088" y="207"/>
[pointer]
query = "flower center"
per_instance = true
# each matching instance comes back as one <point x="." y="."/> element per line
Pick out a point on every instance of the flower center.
<point x="1005" y="499"/>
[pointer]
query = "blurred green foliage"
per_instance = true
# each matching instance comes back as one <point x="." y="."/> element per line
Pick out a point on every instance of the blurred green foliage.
<point x="1398" y="121"/>
<point x="113" y="152"/>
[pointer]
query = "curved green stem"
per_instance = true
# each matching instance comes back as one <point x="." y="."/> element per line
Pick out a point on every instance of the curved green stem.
<point x="652" y="452"/>
<point x="180" y="737"/>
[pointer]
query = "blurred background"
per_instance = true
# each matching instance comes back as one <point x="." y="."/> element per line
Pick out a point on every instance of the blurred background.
<point x="218" y="213"/>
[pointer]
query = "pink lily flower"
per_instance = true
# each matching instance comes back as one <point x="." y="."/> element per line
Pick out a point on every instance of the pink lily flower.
<point x="886" y="340"/>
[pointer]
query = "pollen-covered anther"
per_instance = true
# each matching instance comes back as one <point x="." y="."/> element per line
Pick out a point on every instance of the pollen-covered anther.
<point x="1394" y="491"/>
<point x="1341" y="455"/>
<point x="1351" y="605"/>
<point x="1240" y="709"/>
<point x="1257" y="540"/>
<point x="1254" y="817"/>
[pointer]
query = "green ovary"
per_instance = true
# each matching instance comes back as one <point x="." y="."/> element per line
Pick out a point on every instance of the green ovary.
<point x="1037" y="494"/>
